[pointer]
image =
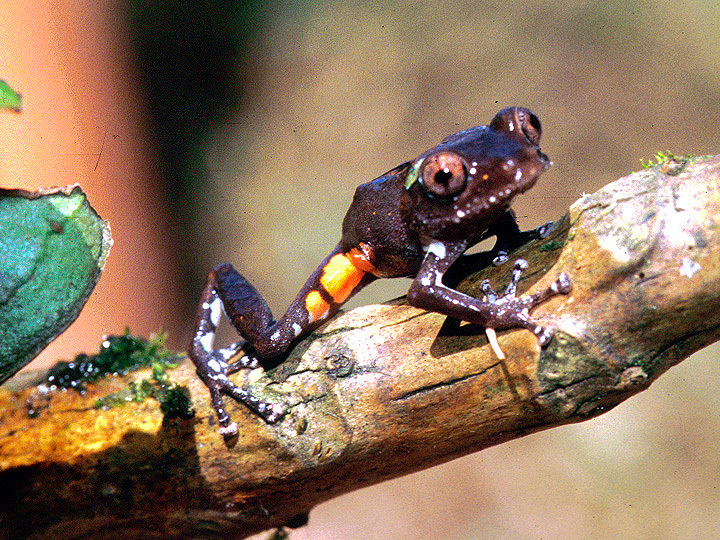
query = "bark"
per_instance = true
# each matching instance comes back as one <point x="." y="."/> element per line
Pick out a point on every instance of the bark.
<point x="385" y="390"/>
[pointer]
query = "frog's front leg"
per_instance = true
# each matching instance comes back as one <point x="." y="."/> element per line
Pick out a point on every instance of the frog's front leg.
<point x="499" y="311"/>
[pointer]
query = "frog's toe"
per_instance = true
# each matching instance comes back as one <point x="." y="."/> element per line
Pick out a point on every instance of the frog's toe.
<point x="544" y="335"/>
<point x="562" y="284"/>
<point x="543" y="231"/>
<point x="272" y="412"/>
<point x="228" y="431"/>
<point x="501" y="258"/>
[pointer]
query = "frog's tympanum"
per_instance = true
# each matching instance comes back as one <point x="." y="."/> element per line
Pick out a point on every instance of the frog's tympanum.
<point x="413" y="221"/>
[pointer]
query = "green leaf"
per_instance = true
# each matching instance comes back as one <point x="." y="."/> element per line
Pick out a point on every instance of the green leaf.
<point x="9" y="98"/>
<point x="53" y="246"/>
<point x="413" y="173"/>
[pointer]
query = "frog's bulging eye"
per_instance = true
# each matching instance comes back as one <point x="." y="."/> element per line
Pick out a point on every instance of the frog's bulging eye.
<point x="443" y="175"/>
<point x="530" y="125"/>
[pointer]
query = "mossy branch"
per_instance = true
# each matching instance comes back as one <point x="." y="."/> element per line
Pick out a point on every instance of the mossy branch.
<point x="385" y="390"/>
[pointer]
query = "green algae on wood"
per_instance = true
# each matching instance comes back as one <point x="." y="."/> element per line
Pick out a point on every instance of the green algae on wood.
<point x="118" y="355"/>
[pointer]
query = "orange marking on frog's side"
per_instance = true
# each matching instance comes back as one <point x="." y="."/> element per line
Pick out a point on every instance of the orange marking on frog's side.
<point x="340" y="277"/>
<point x="317" y="307"/>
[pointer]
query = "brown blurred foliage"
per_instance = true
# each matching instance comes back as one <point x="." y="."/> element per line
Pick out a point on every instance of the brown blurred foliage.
<point x="336" y="93"/>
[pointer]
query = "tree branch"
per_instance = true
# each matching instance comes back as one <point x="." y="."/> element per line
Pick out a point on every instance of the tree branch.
<point x="388" y="389"/>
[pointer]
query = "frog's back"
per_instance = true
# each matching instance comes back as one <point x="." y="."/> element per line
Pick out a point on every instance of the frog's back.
<point x="374" y="220"/>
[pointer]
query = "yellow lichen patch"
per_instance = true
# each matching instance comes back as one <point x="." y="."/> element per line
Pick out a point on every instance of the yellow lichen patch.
<point x="65" y="427"/>
<point x="340" y="277"/>
<point x="317" y="307"/>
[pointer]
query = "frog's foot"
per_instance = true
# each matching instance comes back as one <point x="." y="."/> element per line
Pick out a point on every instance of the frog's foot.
<point x="514" y="310"/>
<point x="543" y="231"/>
<point x="213" y="368"/>
<point x="538" y="233"/>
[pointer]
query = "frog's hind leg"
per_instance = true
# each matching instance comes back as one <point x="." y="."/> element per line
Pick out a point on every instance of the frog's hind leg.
<point x="338" y="277"/>
<point x="227" y="290"/>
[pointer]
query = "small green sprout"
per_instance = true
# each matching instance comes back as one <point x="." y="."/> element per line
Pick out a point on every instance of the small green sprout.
<point x="660" y="158"/>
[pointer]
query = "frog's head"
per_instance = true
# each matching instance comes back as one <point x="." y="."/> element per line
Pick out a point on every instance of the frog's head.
<point x="456" y="190"/>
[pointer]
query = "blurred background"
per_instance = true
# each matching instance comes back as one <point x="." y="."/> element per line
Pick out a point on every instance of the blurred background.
<point x="213" y="131"/>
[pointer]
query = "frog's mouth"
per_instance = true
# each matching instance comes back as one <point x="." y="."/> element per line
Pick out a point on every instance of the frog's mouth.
<point x="545" y="160"/>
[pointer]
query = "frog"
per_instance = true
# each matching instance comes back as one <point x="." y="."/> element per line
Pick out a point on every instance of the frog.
<point x="415" y="221"/>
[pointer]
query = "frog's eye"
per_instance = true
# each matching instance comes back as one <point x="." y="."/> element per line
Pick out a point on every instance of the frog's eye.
<point x="530" y="125"/>
<point x="443" y="175"/>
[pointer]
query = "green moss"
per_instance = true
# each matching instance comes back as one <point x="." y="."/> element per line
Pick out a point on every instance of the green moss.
<point x="136" y="392"/>
<point x="176" y="403"/>
<point x="552" y="246"/>
<point x="120" y="355"/>
<point x="174" y="400"/>
<point x="647" y="365"/>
